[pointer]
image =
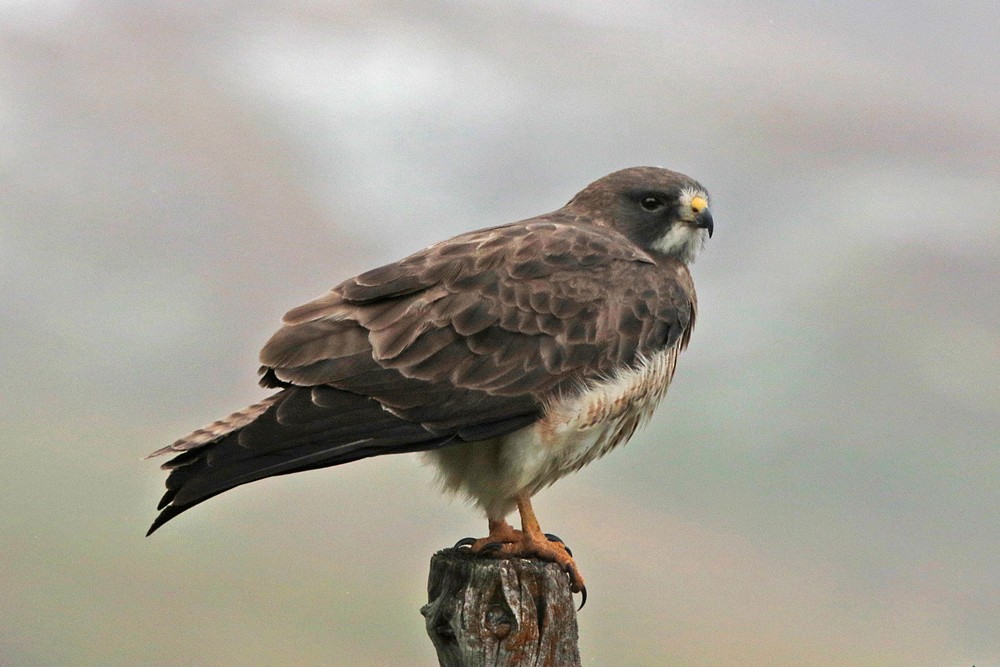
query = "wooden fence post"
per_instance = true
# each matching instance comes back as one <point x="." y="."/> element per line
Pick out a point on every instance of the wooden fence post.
<point x="500" y="612"/>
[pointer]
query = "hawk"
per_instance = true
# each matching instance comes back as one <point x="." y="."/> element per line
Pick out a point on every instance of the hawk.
<point x="510" y="356"/>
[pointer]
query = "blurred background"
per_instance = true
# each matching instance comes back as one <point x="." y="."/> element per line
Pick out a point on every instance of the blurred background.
<point x="821" y="485"/>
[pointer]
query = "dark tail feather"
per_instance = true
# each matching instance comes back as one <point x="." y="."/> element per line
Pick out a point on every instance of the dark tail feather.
<point x="303" y="428"/>
<point x="194" y="482"/>
<point x="292" y="435"/>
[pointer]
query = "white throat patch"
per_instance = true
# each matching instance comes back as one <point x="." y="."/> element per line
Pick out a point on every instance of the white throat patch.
<point x="682" y="241"/>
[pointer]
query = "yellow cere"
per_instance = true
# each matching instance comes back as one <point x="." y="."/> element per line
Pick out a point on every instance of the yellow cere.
<point x="698" y="204"/>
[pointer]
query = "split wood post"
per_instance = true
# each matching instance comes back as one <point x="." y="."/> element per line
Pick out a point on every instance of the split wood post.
<point x="500" y="612"/>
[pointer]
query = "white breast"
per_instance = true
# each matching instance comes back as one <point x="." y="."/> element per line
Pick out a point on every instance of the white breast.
<point x="575" y="430"/>
<point x="580" y="428"/>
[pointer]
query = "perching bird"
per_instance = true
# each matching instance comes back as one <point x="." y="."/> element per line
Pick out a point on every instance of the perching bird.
<point x="511" y="356"/>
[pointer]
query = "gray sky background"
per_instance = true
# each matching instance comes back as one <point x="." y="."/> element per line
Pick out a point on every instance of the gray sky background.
<point x="821" y="485"/>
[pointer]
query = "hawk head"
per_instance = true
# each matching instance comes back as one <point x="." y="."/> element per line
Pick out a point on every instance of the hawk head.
<point x="662" y="211"/>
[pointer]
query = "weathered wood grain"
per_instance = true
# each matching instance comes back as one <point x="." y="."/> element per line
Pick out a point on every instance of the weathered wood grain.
<point x="500" y="612"/>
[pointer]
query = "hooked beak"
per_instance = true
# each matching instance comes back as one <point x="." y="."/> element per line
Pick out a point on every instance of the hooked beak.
<point x="702" y="216"/>
<point x="703" y="220"/>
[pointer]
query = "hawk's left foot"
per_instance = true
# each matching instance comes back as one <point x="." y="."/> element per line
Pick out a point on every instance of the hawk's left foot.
<point x="530" y="542"/>
<point x="534" y="546"/>
<point x="506" y="541"/>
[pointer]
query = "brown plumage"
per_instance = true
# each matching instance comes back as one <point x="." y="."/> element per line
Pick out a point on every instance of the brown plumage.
<point x="556" y="334"/>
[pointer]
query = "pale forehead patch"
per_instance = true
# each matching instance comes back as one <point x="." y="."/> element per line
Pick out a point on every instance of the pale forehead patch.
<point x="688" y="194"/>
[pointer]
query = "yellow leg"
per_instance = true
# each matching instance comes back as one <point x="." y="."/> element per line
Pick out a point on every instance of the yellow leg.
<point x="529" y="523"/>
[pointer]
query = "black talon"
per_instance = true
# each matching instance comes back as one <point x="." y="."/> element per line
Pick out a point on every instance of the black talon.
<point x="556" y="538"/>
<point x="492" y="546"/>
<point x="465" y="542"/>
<point x="583" y="588"/>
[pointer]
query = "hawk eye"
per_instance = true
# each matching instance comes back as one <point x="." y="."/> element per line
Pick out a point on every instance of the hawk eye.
<point x="652" y="203"/>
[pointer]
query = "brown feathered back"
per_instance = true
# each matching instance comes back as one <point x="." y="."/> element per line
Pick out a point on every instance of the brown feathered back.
<point x="461" y="342"/>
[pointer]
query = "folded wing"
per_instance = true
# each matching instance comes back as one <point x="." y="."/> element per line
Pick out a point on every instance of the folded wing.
<point x="461" y="342"/>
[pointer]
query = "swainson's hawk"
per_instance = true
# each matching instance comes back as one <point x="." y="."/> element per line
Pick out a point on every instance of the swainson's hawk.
<point x="511" y="356"/>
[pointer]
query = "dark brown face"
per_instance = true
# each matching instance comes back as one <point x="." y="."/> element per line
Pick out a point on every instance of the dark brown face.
<point x="662" y="211"/>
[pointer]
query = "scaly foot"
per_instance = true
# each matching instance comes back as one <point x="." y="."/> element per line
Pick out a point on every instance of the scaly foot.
<point x="529" y="542"/>
<point x="533" y="546"/>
